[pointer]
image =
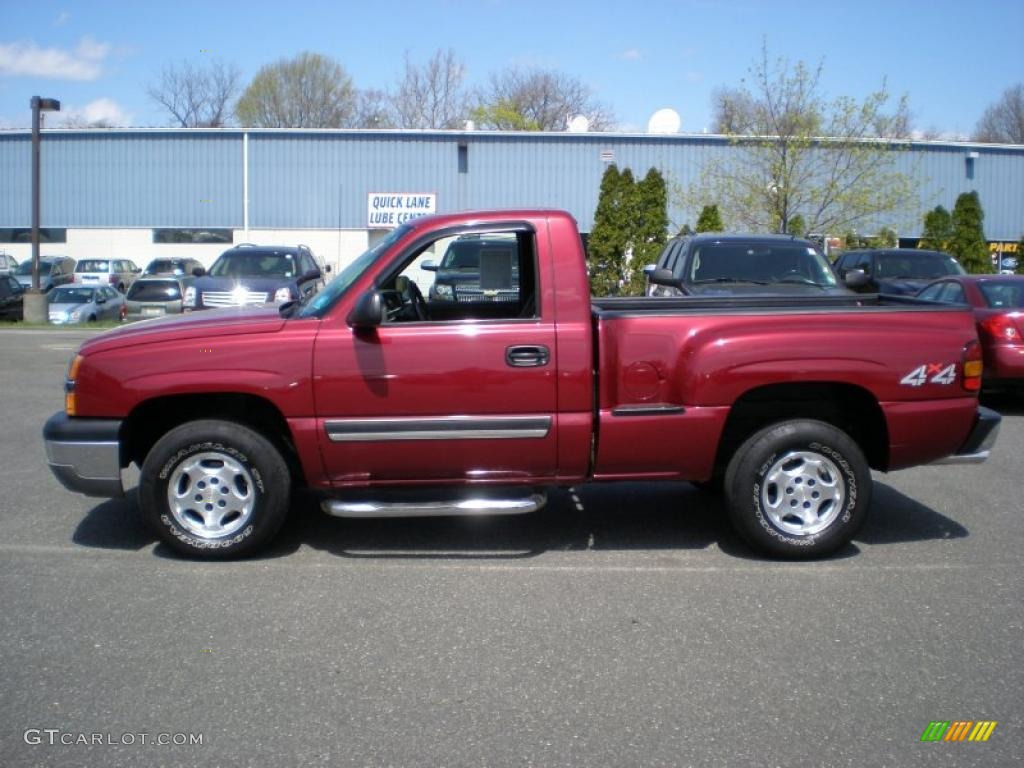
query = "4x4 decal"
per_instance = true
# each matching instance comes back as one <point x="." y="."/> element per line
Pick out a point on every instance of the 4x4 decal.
<point x="936" y="373"/>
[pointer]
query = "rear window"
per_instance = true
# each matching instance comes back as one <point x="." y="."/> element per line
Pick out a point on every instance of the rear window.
<point x="916" y="266"/>
<point x="155" y="290"/>
<point x="1007" y="294"/>
<point x="760" y="263"/>
<point x="166" y="266"/>
<point x="93" y="265"/>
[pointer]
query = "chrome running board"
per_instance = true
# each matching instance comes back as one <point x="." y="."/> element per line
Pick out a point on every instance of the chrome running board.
<point x="452" y="507"/>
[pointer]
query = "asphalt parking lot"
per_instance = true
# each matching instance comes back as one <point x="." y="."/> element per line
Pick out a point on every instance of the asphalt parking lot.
<point x="636" y="631"/>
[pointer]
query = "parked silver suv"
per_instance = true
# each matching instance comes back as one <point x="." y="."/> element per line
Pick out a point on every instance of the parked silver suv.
<point x="119" y="273"/>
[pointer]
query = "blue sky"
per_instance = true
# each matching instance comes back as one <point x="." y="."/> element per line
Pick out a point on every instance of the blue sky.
<point x="952" y="59"/>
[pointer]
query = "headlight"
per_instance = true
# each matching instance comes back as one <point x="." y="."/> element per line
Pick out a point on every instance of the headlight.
<point x="190" y="296"/>
<point x="443" y="291"/>
<point x="73" y="316"/>
<point x="281" y="295"/>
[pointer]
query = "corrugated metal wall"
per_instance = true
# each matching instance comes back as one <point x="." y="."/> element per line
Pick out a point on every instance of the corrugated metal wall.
<point x="321" y="179"/>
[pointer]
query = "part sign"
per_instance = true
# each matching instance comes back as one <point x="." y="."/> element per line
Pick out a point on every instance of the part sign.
<point x="389" y="209"/>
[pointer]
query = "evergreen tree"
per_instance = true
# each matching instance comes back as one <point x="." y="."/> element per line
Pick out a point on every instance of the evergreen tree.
<point x="797" y="226"/>
<point x="609" y="239"/>
<point x="710" y="220"/>
<point x="938" y="230"/>
<point x="651" y="230"/>
<point x="968" y="238"/>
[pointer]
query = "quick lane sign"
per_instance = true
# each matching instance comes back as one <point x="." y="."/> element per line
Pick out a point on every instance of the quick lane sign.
<point x="386" y="210"/>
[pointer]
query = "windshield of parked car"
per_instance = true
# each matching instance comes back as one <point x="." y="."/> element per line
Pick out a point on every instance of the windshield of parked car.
<point x="93" y="265"/>
<point x="337" y="287"/>
<point x="759" y="263"/>
<point x="154" y="290"/>
<point x="72" y="295"/>
<point x="916" y="266"/>
<point x="1003" y="294"/>
<point x="254" y="263"/>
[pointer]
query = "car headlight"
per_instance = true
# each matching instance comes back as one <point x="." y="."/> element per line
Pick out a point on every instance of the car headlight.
<point x="74" y="316"/>
<point x="190" y="296"/>
<point x="281" y="295"/>
<point x="443" y="291"/>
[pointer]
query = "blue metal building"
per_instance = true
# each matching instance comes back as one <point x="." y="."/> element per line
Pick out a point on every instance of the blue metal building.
<point x="320" y="180"/>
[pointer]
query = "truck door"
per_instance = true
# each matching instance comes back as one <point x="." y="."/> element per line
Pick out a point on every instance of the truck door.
<point x="458" y="383"/>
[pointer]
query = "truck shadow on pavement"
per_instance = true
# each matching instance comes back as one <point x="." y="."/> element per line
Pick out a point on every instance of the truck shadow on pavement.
<point x="601" y="517"/>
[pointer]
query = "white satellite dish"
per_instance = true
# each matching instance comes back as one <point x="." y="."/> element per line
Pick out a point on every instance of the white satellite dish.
<point x="578" y="124"/>
<point x="664" y="121"/>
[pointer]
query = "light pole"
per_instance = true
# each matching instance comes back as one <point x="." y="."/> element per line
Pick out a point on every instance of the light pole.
<point x="35" y="304"/>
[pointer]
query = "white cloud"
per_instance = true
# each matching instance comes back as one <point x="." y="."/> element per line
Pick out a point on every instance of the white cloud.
<point x="631" y="54"/>
<point x="105" y="111"/>
<point x="63" y="19"/>
<point x="26" y="59"/>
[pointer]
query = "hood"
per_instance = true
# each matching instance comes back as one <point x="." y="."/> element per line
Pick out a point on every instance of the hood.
<point x="203" y="324"/>
<point x="903" y="285"/>
<point x="775" y="289"/>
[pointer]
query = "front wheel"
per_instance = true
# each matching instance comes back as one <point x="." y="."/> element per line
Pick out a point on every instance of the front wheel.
<point x="214" y="489"/>
<point x="798" y="489"/>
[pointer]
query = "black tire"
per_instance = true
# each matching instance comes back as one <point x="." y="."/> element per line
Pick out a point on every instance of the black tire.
<point x="231" y="489"/>
<point x="798" y="489"/>
<point x="92" y="318"/>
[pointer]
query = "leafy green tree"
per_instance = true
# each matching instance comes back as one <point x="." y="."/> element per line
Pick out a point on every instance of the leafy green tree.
<point x="887" y="238"/>
<point x="609" y="238"/>
<point x="650" y="231"/>
<point x="832" y="162"/>
<point x="308" y="91"/>
<point x="938" y="230"/>
<point x="710" y="220"/>
<point x="518" y="99"/>
<point x="968" y="239"/>
<point x="797" y="226"/>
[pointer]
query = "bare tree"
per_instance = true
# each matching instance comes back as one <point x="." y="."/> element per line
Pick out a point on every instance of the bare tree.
<point x="309" y="91"/>
<point x="373" y="110"/>
<point x="538" y="100"/>
<point x="197" y="97"/>
<point x="1003" y="122"/>
<point x="432" y="96"/>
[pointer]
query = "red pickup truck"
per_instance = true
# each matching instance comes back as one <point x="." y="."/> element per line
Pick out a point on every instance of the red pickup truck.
<point x="390" y="404"/>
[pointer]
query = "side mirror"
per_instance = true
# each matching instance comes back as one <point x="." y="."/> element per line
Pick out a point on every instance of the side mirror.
<point x="101" y="300"/>
<point x="429" y="265"/>
<point x="855" y="278"/>
<point x="663" y="277"/>
<point x="198" y="271"/>
<point x="649" y="270"/>
<point x="327" y="268"/>
<point x="368" y="311"/>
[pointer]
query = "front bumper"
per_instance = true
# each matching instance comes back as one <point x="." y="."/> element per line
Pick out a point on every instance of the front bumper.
<point x="979" y="443"/>
<point x="85" y="454"/>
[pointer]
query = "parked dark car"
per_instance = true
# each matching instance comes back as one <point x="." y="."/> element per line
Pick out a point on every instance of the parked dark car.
<point x="119" y="273"/>
<point x="156" y="297"/>
<point x="177" y="267"/>
<point x="250" y="275"/>
<point x="901" y="271"/>
<point x="53" y="271"/>
<point x="998" y="305"/>
<point x="476" y="269"/>
<point x="12" y="295"/>
<point x="716" y="264"/>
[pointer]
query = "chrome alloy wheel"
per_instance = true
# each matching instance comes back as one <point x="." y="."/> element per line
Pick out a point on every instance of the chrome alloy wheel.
<point x="211" y="495"/>
<point x="803" y="493"/>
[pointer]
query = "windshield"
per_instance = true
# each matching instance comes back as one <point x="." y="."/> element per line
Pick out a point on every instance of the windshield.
<point x="1003" y="294"/>
<point x="254" y="264"/>
<point x="25" y="268"/>
<point x="337" y="287"/>
<point x="92" y="265"/>
<point x="71" y="295"/>
<point x="917" y="266"/>
<point x="154" y="290"/>
<point x="759" y="263"/>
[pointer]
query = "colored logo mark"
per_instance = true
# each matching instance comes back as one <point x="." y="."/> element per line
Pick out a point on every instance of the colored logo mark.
<point x="958" y="730"/>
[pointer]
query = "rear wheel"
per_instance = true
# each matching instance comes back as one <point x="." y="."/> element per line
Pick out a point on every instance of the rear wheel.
<point x="214" y="489"/>
<point x="798" y="489"/>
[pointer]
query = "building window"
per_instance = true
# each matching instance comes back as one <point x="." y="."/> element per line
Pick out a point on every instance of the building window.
<point x="48" y="235"/>
<point x="463" y="158"/>
<point x="193" y="236"/>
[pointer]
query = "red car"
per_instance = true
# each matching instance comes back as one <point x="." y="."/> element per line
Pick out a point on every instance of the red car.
<point x="998" y="304"/>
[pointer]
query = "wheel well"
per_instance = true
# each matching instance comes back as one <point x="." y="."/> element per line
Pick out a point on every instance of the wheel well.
<point x="152" y="419"/>
<point x="845" y="406"/>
